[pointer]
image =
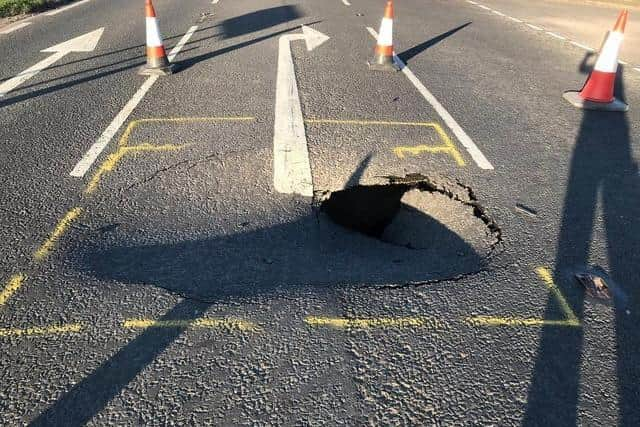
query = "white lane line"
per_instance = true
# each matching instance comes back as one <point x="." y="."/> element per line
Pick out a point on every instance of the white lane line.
<point x="15" y="27"/>
<point x="558" y="36"/>
<point x="94" y="151"/>
<point x="483" y="6"/>
<point x="63" y="9"/>
<point x="214" y="1"/>
<point x="457" y="130"/>
<point x="471" y="1"/>
<point x="346" y="3"/>
<point x="581" y="46"/>
<point x="535" y="27"/>
<point x="498" y="13"/>
<point x="515" y="19"/>
<point x="637" y="69"/>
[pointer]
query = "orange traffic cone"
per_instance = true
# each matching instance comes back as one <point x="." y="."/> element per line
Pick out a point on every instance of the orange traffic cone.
<point x="157" y="61"/>
<point x="383" y="56"/>
<point x="597" y="93"/>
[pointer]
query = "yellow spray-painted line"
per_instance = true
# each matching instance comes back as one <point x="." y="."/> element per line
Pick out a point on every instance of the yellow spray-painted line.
<point x="207" y="323"/>
<point x="123" y="148"/>
<point x="11" y="287"/>
<point x="374" y="322"/>
<point x="447" y="148"/>
<point x="41" y="331"/>
<point x="45" y="249"/>
<point x="570" y="318"/>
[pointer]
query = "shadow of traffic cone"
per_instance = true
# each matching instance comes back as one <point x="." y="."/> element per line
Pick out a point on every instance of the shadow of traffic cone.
<point x="597" y="93"/>
<point x="383" y="57"/>
<point x="157" y="62"/>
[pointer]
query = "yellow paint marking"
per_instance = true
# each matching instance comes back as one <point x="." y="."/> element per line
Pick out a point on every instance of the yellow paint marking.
<point x="209" y="323"/>
<point x="448" y="147"/>
<point x="12" y="286"/>
<point x="39" y="331"/>
<point x="570" y="319"/>
<point x="368" y="323"/>
<point x="112" y="160"/>
<point x="46" y="248"/>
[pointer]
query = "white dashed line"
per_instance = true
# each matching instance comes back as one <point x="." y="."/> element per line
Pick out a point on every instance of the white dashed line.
<point x="581" y="46"/>
<point x="101" y="143"/>
<point x="536" y="28"/>
<point x="15" y="27"/>
<point x="63" y="9"/>
<point x="457" y="130"/>
<point x="558" y="36"/>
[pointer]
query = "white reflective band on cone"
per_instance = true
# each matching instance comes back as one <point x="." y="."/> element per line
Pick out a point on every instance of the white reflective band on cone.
<point x="153" y="33"/>
<point x="385" y="38"/>
<point x="608" y="59"/>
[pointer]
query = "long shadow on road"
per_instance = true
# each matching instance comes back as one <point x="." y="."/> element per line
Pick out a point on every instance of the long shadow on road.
<point x="602" y="168"/>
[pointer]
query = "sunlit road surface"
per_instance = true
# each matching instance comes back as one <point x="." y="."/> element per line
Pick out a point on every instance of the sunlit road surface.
<point x="180" y="249"/>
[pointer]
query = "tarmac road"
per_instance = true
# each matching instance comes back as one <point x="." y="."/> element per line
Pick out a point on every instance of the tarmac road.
<point x="173" y="282"/>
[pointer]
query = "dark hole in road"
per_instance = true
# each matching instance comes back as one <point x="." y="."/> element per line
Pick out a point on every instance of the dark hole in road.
<point x="416" y="213"/>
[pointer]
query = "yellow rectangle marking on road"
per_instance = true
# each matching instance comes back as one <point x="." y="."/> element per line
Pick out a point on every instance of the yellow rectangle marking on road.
<point x="123" y="148"/>
<point x="46" y="247"/>
<point x="570" y="319"/>
<point x="41" y="331"/>
<point x="447" y="148"/>
<point x="207" y="323"/>
<point x="12" y="286"/>
<point x="547" y="278"/>
<point x="370" y="323"/>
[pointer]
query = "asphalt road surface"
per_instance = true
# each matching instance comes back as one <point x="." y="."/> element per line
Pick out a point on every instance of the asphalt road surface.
<point x="277" y="235"/>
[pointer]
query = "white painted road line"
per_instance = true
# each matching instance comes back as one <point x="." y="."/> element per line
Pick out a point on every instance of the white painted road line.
<point x="84" y="43"/>
<point x="94" y="151"/>
<point x="515" y="19"/>
<point x="214" y="1"/>
<point x="637" y="69"/>
<point x="534" y="27"/>
<point x="558" y="36"/>
<point x="581" y="46"/>
<point x="291" y="165"/>
<point x="471" y="1"/>
<point x="498" y="13"/>
<point x="346" y="3"/>
<point x="457" y="130"/>
<point x="15" y="27"/>
<point x="483" y="6"/>
<point x="65" y="8"/>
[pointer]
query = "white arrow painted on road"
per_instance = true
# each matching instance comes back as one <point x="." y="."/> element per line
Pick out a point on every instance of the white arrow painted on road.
<point x="291" y="167"/>
<point x="84" y="43"/>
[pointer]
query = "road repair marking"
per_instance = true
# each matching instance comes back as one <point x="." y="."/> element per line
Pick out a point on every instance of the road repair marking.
<point x="94" y="151"/>
<point x="570" y="319"/>
<point x="15" y="27"/>
<point x="39" y="331"/>
<point x="65" y="8"/>
<point x="447" y="146"/>
<point x="374" y="323"/>
<point x="457" y="130"/>
<point x="110" y="163"/>
<point x="46" y="247"/>
<point x="291" y="165"/>
<point x="207" y="323"/>
<point x="11" y="287"/>
<point x="84" y="43"/>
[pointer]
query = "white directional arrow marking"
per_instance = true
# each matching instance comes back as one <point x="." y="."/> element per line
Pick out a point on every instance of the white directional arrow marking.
<point x="84" y="43"/>
<point x="291" y="167"/>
